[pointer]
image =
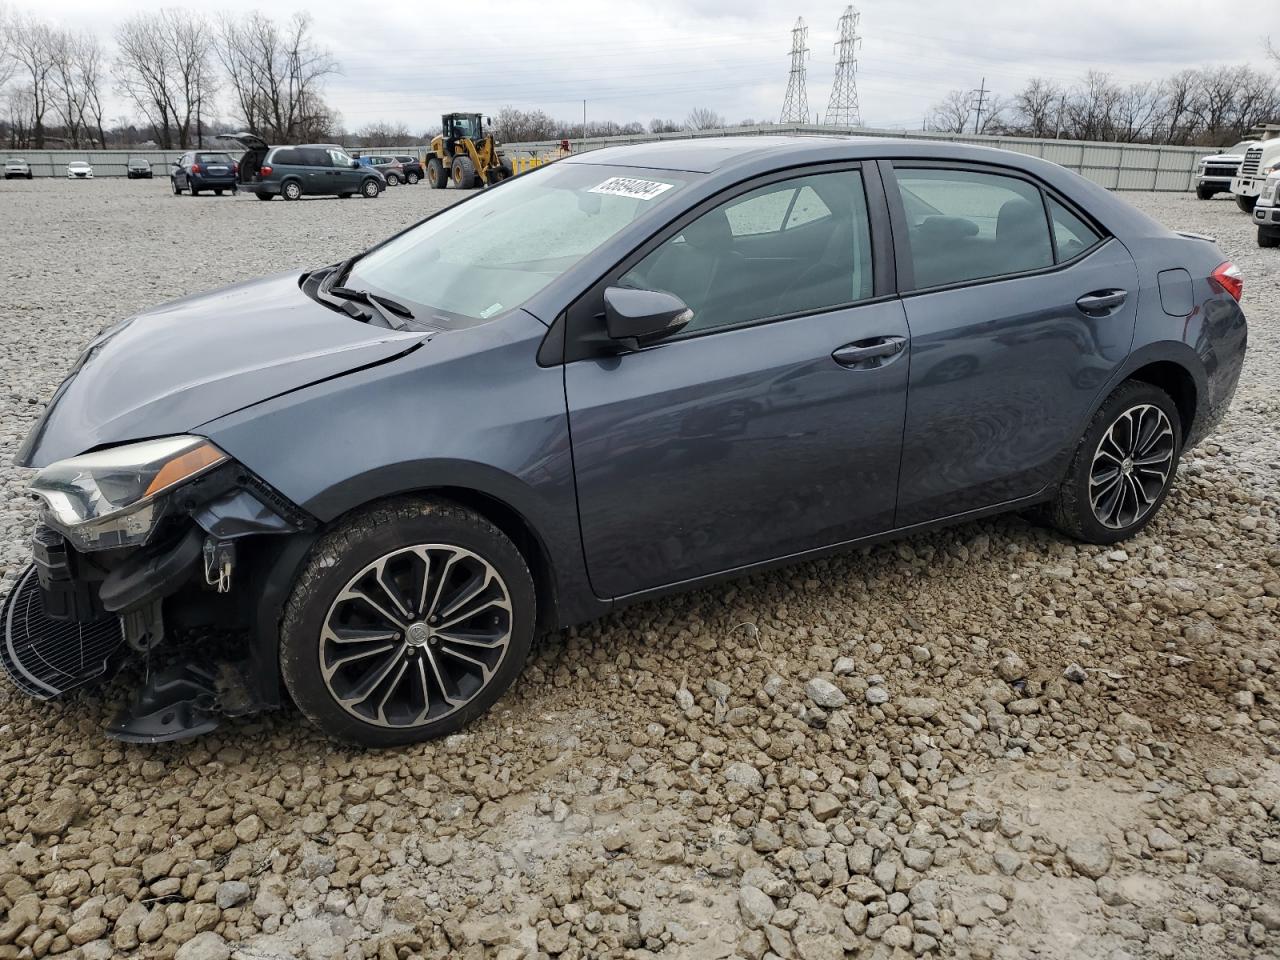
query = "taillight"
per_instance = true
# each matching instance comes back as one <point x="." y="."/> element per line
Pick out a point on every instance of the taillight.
<point x="1228" y="277"/>
<point x="195" y="168"/>
<point x="264" y="172"/>
<point x="235" y="168"/>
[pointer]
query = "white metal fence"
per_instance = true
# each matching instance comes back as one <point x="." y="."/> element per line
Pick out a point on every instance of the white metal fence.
<point x="1117" y="166"/>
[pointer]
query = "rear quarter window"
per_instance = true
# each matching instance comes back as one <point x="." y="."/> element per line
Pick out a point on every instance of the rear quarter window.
<point x="286" y="157"/>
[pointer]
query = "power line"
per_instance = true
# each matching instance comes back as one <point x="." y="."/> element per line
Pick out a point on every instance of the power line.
<point x="843" y="108"/>
<point x="795" y="105"/>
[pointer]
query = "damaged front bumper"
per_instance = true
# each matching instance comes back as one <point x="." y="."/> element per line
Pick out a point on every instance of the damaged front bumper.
<point x="198" y="603"/>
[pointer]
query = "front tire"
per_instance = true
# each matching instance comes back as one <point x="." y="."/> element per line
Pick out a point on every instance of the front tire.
<point x="410" y="619"/>
<point x="1268" y="239"/>
<point x="1123" y="467"/>
<point x="177" y="190"/>
<point x="464" y="173"/>
<point x="370" y="189"/>
<point x="1204" y="192"/>
<point x="393" y="180"/>
<point x="1247" y="204"/>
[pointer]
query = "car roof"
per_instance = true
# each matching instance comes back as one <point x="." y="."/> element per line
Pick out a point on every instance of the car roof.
<point x="716" y="154"/>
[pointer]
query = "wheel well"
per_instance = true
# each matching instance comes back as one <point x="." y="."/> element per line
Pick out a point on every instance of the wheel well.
<point x="1177" y="383"/>
<point x="518" y="529"/>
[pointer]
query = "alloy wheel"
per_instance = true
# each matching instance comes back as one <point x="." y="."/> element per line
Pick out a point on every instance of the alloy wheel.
<point x="1131" y="466"/>
<point x="415" y="635"/>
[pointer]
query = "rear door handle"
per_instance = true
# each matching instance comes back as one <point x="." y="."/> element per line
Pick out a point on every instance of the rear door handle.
<point x="1102" y="301"/>
<point x="866" y="354"/>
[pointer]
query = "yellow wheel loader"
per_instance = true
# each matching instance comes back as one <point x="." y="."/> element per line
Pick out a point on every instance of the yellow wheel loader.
<point x="464" y="153"/>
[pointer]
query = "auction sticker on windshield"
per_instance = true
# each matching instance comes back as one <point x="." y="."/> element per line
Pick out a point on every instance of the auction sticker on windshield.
<point x="631" y="187"/>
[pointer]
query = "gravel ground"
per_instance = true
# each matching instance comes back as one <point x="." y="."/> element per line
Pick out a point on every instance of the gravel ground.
<point x="984" y="742"/>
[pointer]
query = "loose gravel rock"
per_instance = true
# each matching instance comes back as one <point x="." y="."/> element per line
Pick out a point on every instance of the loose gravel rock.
<point x="1078" y="758"/>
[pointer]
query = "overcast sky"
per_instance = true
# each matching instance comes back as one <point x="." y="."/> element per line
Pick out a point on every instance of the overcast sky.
<point x="660" y="58"/>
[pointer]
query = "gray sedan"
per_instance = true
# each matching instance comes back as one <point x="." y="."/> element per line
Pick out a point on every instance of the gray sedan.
<point x="634" y="371"/>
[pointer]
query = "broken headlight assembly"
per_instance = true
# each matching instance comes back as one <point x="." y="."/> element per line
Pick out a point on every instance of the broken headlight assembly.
<point x="115" y="497"/>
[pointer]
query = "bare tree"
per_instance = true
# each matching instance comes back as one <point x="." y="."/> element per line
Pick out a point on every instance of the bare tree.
<point x="523" y="126"/>
<point x="1036" y="106"/>
<point x="31" y="44"/>
<point x="704" y="118"/>
<point x="18" y="108"/>
<point x="1137" y="110"/>
<point x="664" y="126"/>
<point x="277" y="75"/>
<point x="8" y="65"/>
<point x="951" y="115"/>
<point x="90" y="64"/>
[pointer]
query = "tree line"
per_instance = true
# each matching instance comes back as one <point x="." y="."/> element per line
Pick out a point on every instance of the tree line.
<point x="171" y="67"/>
<point x="1209" y="106"/>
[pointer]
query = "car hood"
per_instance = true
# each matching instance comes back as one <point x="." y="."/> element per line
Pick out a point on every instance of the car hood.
<point x="170" y="369"/>
<point x="1224" y="158"/>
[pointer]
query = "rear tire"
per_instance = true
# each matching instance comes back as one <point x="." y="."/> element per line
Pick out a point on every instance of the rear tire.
<point x="370" y="189"/>
<point x="1247" y="204"/>
<point x="1268" y="239"/>
<point x="464" y="173"/>
<point x="217" y="192"/>
<point x="411" y="178"/>
<point x="437" y="175"/>
<point x="1123" y="467"/>
<point x="421" y="682"/>
<point x="291" y="190"/>
<point x="344" y="196"/>
<point x="195" y="192"/>
<point x="263" y="196"/>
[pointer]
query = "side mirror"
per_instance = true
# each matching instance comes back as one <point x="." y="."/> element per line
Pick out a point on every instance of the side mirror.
<point x="636" y="318"/>
<point x="355" y="164"/>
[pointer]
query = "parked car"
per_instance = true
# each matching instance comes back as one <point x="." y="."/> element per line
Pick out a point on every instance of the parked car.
<point x="412" y="167"/>
<point x="1266" y="212"/>
<point x="316" y="169"/>
<point x="138" y="168"/>
<point x="79" y="170"/>
<point x="16" y="168"/>
<point x="204" y="170"/>
<point x="1260" y="161"/>
<point x="1214" y="174"/>
<point x="389" y="167"/>
<point x="634" y="371"/>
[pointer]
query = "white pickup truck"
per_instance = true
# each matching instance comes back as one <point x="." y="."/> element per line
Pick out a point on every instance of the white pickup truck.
<point x="1266" y="212"/>
<point x="1260" y="161"/>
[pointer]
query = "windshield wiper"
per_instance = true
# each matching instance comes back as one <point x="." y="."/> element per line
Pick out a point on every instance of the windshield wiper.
<point x="375" y="299"/>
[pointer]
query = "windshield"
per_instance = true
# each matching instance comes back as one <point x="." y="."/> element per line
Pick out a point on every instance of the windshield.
<point x="463" y="127"/>
<point x="495" y="251"/>
<point x="212" y="158"/>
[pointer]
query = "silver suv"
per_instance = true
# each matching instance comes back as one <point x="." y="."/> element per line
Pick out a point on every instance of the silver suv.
<point x="17" y="169"/>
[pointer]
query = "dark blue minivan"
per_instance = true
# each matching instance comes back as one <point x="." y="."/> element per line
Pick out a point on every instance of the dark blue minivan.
<point x="630" y="372"/>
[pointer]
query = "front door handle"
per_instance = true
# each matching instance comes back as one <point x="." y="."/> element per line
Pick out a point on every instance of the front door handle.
<point x="1102" y="301"/>
<point x="868" y="354"/>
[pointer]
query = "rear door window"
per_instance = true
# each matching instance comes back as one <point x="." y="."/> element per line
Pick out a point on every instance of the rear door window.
<point x="966" y="225"/>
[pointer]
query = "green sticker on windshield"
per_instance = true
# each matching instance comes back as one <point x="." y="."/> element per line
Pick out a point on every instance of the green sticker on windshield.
<point x="631" y="187"/>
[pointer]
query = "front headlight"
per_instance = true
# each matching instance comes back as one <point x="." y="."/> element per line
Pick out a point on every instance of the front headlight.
<point x="114" y="498"/>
